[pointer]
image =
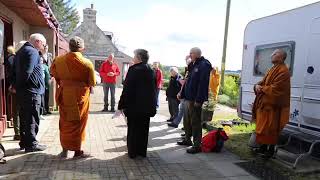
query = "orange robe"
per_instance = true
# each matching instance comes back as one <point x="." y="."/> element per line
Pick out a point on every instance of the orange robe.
<point x="75" y="76"/>
<point x="271" y="108"/>
<point x="214" y="84"/>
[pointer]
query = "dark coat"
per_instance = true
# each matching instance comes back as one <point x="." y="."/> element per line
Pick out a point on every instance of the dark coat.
<point x="197" y="85"/>
<point x="139" y="91"/>
<point x="174" y="87"/>
<point x="9" y="68"/>
<point x="28" y="71"/>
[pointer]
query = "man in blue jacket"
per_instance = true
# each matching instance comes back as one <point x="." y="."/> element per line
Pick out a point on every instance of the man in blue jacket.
<point x="29" y="85"/>
<point x="195" y="92"/>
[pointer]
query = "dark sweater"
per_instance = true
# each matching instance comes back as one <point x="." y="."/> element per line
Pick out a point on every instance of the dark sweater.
<point x="196" y="87"/>
<point x="174" y="87"/>
<point x="28" y="71"/>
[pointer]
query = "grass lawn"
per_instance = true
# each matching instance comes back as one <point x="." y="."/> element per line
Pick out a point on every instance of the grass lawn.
<point x="238" y="144"/>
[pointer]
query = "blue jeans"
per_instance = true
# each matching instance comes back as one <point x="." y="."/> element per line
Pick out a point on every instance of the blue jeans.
<point x="179" y="117"/>
<point x="157" y="96"/>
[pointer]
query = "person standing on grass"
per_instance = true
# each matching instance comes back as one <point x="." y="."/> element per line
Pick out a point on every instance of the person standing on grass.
<point x="159" y="77"/>
<point x="271" y="108"/>
<point x="109" y="71"/>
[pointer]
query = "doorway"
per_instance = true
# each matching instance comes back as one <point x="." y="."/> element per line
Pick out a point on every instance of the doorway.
<point x="7" y="41"/>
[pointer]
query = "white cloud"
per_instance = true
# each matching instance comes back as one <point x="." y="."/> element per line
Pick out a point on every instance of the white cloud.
<point x="169" y="31"/>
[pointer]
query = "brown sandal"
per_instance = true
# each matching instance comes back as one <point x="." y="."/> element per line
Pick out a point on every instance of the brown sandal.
<point x="81" y="155"/>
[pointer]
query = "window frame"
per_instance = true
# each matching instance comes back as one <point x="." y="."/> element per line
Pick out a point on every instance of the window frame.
<point x="291" y="44"/>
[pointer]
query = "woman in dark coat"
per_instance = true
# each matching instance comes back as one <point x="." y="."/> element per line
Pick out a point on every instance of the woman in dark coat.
<point x="138" y="102"/>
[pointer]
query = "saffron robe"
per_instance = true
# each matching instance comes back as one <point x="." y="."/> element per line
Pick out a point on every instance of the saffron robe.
<point x="271" y="107"/>
<point x="75" y="76"/>
<point x="214" y="84"/>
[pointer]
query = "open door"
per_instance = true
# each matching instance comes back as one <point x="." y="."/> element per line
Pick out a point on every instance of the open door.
<point x="3" y="118"/>
<point x="311" y="92"/>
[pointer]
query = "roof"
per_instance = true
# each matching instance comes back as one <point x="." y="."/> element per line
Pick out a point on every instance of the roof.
<point x="36" y="13"/>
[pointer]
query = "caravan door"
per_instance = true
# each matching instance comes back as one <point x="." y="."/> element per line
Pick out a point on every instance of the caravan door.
<point x="310" y="116"/>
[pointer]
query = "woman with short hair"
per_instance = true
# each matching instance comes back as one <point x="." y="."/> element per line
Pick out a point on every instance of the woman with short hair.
<point x="138" y="102"/>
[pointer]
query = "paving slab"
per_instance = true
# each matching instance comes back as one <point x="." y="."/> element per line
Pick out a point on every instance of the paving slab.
<point x="106" y="141"/>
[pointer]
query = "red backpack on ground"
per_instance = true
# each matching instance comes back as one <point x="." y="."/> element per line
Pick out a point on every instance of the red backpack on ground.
<point x="214" y="141"/>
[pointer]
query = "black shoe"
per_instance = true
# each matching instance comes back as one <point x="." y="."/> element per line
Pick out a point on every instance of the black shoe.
<point x="36" y="148"/>
<point x="16" y="138"/>
<point x="49" y="112"/>
<point x="173" y="125"/>
<point x="184" y="143"/>
<point x="194" y="150"/>
<point x="261" y="150"/>
<point x="104" y="110"/>
<point x="112" y="110"/>
<point x="169" y="120"/>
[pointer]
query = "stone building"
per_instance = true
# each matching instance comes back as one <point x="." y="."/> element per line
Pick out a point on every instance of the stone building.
<point x="98" y="43"/>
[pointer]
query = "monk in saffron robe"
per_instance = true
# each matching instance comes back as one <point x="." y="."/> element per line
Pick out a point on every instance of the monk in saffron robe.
<point x="75" y="76"/>
<point x="271" y="107"/>
<point x="214" y="83"/>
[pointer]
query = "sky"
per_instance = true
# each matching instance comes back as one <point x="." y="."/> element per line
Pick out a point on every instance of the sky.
<point x="168" y="29"/>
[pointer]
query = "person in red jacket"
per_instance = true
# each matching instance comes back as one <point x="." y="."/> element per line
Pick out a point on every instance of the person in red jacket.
<point x="109" y="71"/>
<point x="159" y="78"/>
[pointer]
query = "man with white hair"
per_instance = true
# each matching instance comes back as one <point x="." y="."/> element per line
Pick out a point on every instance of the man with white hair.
<point x="29" y="85"/>
<point x="172" y="91"/>
<point x="109" y="71"/>
<point x="195" y="92"/>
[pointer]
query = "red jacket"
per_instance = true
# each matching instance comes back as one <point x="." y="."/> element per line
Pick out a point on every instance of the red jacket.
<point x="105" y="68"/>
<point x="159" y="78"/>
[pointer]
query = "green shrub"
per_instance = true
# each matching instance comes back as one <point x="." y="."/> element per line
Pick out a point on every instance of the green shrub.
<point x="230" y="92"/>
<point x="231" y="88"/>
<point x="165" y="84"/>
<point x="223" y="99"/>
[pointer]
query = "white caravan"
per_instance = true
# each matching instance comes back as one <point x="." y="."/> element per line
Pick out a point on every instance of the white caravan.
<point x="298" y="32"/>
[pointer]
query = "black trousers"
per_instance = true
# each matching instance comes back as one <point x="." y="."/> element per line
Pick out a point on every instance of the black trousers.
<point x="137" y="136"/>
<point x="46" y="101"/>
<point x="29" y="112"/>
<point x="173" y="104"/>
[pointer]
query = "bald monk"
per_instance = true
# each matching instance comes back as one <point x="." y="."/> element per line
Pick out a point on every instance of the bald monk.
<point x="214" y="83"/>
<point x="271" y="107"/>
<point x="75" y="76"/>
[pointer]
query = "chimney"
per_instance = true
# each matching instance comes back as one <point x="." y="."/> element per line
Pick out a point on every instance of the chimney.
<point x="89" y="15"/>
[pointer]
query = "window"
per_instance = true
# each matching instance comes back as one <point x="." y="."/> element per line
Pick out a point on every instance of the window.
<point x="97" y="64"/>
<point x="262" y="58"/>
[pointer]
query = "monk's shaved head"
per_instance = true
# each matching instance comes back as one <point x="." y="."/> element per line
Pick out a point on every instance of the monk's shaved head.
<point x="279" y="56"/>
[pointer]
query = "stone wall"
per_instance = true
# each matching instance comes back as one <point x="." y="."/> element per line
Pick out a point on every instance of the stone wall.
<point x="21" y="29"/>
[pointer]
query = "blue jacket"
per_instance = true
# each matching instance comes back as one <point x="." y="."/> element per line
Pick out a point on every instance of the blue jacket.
<point x="197" y="85"/>
<point x="28" y="71"/>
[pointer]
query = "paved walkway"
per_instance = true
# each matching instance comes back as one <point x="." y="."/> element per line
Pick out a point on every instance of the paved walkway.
<point x="106" y="141"/>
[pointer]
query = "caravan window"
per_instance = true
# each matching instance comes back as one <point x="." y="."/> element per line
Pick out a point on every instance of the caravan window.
<point x="262" y="58"/>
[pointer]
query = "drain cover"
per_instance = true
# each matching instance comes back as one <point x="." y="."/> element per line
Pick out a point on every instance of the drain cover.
<point x="262" y="171"/>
